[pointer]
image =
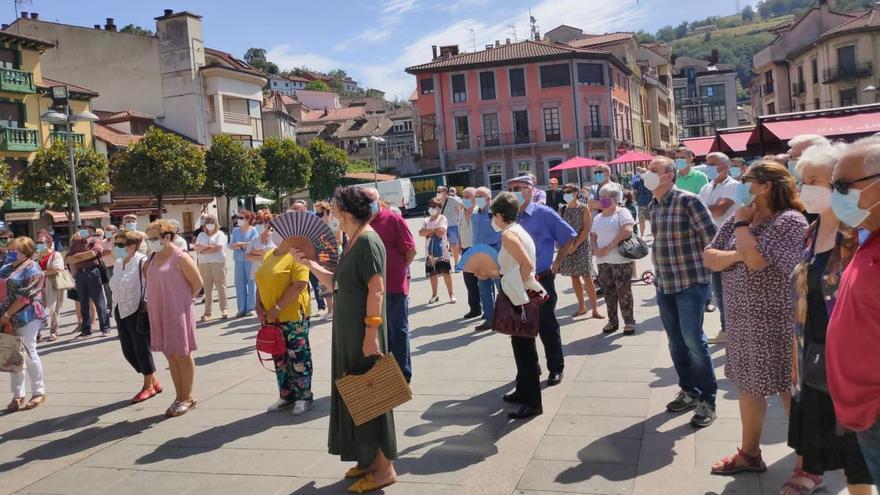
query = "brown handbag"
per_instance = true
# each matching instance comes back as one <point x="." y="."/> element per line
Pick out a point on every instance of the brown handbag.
<point x="518" y="321"/>
<point x="375" y="392"/>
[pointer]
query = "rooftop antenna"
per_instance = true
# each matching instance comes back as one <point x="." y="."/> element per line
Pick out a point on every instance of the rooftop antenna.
<point x="473" y="38"/>
<point x="512" y="31"/>
<point x="17" y="3"/>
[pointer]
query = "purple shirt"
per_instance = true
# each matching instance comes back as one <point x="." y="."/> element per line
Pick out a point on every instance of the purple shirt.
<point x="395" y="234"/>
<point x="548" y="230"/>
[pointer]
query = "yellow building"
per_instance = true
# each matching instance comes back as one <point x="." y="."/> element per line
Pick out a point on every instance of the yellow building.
<point x="24" y="96"/>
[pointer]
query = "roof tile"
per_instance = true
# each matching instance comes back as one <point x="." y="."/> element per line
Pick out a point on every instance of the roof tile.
<point x="594" y="40"/>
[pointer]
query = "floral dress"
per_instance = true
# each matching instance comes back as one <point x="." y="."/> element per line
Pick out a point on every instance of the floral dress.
<point x="580" y="262"/>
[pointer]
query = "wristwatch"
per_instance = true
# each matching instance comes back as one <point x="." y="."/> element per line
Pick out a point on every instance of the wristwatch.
<point x="742" y="223"/>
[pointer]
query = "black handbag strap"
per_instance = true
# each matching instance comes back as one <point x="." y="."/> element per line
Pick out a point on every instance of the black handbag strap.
<point x="141" y="279"/>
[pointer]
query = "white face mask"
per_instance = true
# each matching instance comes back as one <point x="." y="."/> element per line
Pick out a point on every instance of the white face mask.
<point x="242" y="222"/>
<point x="651" y="180"/>
<point x="155" y="246"/>
<point x="495" y="226"/>
<point x="209" y="227"/>
<point x="816" y="199"/>
<point x="433" y="211"/>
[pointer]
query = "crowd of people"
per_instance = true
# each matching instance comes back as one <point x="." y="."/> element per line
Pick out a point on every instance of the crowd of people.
<point x="786" y="248"/>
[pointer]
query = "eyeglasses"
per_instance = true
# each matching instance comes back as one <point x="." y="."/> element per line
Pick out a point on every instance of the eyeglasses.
<point x="122" y="245"/>
<point x="842" y="186"/>
<point x="519" y="188"/>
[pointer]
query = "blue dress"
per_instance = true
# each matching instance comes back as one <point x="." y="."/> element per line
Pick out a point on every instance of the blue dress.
<point x="245" y="288"/>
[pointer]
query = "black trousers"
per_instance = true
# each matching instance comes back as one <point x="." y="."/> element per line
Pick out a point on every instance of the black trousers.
<point x="471" y="282"/>
<point x="135" y="342"/>
<point x="525" y="350"/>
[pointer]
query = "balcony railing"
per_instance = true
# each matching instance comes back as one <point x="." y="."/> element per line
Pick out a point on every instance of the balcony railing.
<point x="17" y="81"/>
<point x="15" y="139"/>
<point x="847" y="72"/>
<point x="506" y="139"/>
<point x="79" y="139"/>
<point x="597" y="132"/>
<point x="236" y="118"/>
<point x="628" y="135"/>
<point x="798" y="88"/>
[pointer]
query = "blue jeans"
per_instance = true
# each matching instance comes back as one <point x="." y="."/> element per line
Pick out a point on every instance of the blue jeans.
<point x="682" y="316"/>
<point x="869" y="441"/>
<point x="487" y="297"/>
<point x="397" y="315"/>
<point x="90" y="288"/>
<point x="316" y="292"/>
<point x="719" y="300"/>
<point x="245" y="289"/>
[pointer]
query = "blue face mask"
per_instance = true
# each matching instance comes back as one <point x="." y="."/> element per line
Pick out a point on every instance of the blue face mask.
<point x="712" y="172"/>
<point x="863" y="236"/>
<point x="259" y="229"/>
<point x="568" y="197"/>
<point x="481" y="203"/>
<point x="599" y="176"/>
<point x="792" y="168"/>
<point x="11" y="256"/>
<point x="41" y="246"/>
<point x="468" y="203"/>
<point x="374" y="207"/>
<point x="681" y="164"/>
<point x="119" y="252"/>
<point x="519" y="197"/>
<point x="735" y="172"/>
<point x="84" y="234"/>
<point x="131" y="226"/>
<point x="846" y="206"/>
<point x="744" y="194"/>
<point x="108" y="234"/>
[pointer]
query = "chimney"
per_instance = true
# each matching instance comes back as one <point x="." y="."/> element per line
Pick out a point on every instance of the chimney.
<point x="24" y="15"/>
<point x="35" y="16"/>
<point x="110" y="26"/>
<point x="507" y="41"/>
<point x="98" y="27"/>
<point x="490" y="46"/>
<point x="4" y="27"/>
<point x="325" y="112"/>
<point x="434" y="52"/>
<point x="167" y="12"/>
<point x="713" y="58"/>
<point x="497" y="43"/>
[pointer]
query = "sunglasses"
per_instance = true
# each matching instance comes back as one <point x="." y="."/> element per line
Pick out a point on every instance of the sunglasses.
<point x="519" y="188"/>
<point x="120" y="245"/>
<point x="842" y="186"/>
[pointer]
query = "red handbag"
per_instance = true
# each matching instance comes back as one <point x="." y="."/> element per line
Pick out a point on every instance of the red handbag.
<point x="270" y="340"/>
<point x="518" y="321"/>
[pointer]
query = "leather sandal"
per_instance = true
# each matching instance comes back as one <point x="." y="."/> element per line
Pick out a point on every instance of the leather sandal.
<point x="181" y="408"/>
<point x="35" y="402"/>
<point x="17" y="404"/>
<point x="368" y="484"/>
<point x="754" y="464"/>
<point x="801" y="483"/>
<point x="355" y="472"/>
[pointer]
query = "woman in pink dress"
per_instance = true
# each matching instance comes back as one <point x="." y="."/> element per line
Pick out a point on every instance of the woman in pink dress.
<point x="173" y="281"/>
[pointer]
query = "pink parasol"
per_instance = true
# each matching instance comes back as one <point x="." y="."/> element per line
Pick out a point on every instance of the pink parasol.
<point x="632" y="156"/>
<point x="576" y="162"/>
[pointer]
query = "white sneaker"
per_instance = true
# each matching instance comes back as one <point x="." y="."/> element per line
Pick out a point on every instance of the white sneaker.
<point x="279" y="405"/>
<point x="327" y="316"/>
<point x="301" y="406"/>
<point x="452" y="300"/>
<point x="433" y="299"/>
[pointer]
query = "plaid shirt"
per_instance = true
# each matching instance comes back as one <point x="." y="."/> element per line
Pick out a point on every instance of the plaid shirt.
<point x="682" y="227"/>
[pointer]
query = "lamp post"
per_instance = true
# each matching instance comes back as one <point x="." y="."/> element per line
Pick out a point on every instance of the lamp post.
<point x="376" y="140"/>
<point x="872" y="89"/>
<point x="61" y="97"/>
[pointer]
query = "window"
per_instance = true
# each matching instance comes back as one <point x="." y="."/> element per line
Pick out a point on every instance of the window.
<point x="848" y="97"/>
<point x="427" y="86"/>
<point x="459" y="89"/>
<point x="800" y="76"/>
<point x="664" y="132"/>
<point x="814" y="68"/>
<point x="662" y="107"/>
<point x="554" y="76"/>
<point x="487" y="85"/>
<point x="521" y="127"/>
<point x="11" y="114"/>
<point x="595" y="128"/>
<point x="254" y="108"/>
<point x="495" y="176"/>
<point x="590" y="74"/>
<point x="768" y="82"/>
<point x="552" y="132"/>
<point x="8" y="58"/>
<point x="771" y="108"/>
<point x="462" y="133"/>
<point x="712" y="91"/>
<point x="846" y="58"/>
<point x="490" y="129"/>
<point x="428" y="132"/>
<point x="816" y="104"/>
<point x="517" y="82"/>
<point x="523" y="167"/>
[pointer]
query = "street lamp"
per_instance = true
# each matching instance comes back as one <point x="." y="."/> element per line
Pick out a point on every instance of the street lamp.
<point x="376" y="140"/>
<point x="60" y="96"/>
<point x="872" y="89"/>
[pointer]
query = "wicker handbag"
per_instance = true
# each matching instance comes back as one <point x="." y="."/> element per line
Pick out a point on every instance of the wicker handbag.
<point x="63" y="280"/>
<point x="12" y="353"/>
<point x="373" y="393"/>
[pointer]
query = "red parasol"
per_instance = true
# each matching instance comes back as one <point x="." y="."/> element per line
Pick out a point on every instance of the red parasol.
<point x="576" y="162"/>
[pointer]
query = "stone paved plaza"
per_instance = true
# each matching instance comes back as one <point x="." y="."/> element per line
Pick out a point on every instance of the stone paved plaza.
<point x="604" y="429"/>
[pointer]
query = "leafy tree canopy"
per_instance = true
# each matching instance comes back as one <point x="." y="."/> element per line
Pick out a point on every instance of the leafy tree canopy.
<point x="329" y="164"/>
<point x="134" y="29"/>
<point x="256" y="57"/>
<point x="233" y="169"/>
<point x="288" y="167"/>
<point x="318" y="85"/>
<point x="47" y="178"/>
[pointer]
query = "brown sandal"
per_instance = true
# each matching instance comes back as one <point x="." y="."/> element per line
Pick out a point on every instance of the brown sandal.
<point x="180" y="408"/>
<point x="728" y="466"/>
<point x="17" y="404"/>
<point x="35" y="402"/>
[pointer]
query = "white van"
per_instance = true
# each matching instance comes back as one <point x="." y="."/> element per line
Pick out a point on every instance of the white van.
<point x="399" y="193"/>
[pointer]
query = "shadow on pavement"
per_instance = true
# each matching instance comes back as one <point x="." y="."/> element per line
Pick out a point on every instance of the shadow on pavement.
<point x="220" y="356"/>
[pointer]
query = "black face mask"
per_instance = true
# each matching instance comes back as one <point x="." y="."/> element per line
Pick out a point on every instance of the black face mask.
<point x="320" y="214"/>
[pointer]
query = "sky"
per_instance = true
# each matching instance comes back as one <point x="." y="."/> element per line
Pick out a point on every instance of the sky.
<point x="375" y="40"/>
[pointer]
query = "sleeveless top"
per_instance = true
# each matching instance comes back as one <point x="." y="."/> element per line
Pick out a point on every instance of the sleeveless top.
<point x="170" y="306"/>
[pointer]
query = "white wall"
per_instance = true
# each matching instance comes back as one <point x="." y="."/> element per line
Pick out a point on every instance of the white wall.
<point x="318" y="99"/>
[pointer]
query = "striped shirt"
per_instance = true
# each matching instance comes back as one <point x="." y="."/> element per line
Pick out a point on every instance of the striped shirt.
<point x="682" y="227"/>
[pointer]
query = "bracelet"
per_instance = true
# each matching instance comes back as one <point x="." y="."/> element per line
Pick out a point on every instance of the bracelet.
<point x="373" y="321"/>
<point x="741" y="223"/>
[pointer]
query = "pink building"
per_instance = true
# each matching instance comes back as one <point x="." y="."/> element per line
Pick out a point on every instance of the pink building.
<point x="518" y="108"/>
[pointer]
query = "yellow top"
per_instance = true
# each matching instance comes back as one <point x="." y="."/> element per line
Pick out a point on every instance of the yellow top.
<point x="274" y="276"/>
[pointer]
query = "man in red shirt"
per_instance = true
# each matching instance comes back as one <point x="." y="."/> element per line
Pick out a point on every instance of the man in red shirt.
<point x="400" y="249"/>
<point x="853" y="339"/>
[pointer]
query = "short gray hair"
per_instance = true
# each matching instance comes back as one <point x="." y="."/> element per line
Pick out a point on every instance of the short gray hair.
<point x="485" y="190"/>
<point x="613" y="190"/>
<point x="603" y="168"/>
<point x="825" y="156"/>
<point x="668" y="164"/>
<point x="869" y="150"/>
<point x="720" y="156"/>
<point x="472" y="190"/>
<point x="813" y="139"/>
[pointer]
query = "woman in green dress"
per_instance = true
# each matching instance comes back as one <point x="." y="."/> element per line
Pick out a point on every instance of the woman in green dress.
<point x="359" y="334"/>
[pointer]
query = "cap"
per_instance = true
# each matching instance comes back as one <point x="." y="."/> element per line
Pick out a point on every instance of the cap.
<point x="522" y="178"/>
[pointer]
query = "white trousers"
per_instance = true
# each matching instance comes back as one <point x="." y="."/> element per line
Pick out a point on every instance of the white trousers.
<point x="33" y="365"/>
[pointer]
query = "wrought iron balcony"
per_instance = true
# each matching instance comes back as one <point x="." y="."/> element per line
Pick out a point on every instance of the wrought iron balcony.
<point x="597" y="132"/>
<point x="847" y="72"/>
<point x="798" y="88"/>
<point x="506" y="139"/>
<point x="79" y="139"/>
<point x="17" y="81"/>
<point x="17" y="139"/>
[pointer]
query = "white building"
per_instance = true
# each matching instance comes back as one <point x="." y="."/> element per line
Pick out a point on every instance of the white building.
<point x="287" y="85"/>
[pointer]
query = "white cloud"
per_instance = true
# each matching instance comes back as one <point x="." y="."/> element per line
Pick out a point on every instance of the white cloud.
<point x="397" y="6"/>
<point x="289" y="57"/>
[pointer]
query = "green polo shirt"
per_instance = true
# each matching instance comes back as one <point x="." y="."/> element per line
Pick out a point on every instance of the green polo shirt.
<point x="692" y="182"/>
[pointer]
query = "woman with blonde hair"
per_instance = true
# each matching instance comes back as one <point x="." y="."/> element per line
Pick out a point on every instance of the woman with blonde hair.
<point x="173" y="281"/>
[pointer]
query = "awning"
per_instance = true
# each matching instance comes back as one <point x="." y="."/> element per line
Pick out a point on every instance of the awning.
<point x="632" y="156"/>
<point x="61" y="217"/>
<point x="699" y="146"/>
<point x="834" y="126"/>
<point x="139" y="212"/>
<point x="263" y="201"/>
<point x="736" y="142"/>
<point x="576" y="162"/>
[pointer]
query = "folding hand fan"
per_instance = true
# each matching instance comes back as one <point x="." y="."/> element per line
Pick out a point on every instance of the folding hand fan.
<point x="308" y="233"/>
<point x="479" y="258"/>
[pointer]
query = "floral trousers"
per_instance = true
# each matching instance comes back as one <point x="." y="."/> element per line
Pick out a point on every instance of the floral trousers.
<point x="293" y="369"/>
<point x="615" y="280"/>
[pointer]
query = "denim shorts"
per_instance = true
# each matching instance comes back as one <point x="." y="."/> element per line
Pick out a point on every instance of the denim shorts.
<point x="452" y="235"/>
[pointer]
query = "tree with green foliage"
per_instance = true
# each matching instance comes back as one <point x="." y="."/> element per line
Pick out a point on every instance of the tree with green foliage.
<point x="47" y="178"/>
<point x="329" y="164"/>
<point x="233" y="170"/>
<point x="256" y="57"/>
<point x="160" y="164"/>
<point x="645" y="37"/>
<point x="338" y="74"/>
<point x="666" y="34"/>
<point x="318" y="85"/>
<point x="134" y="29"/>
<point x="748" y="14"/>
<point x="288" y="167"/>
<point x="8" y="183"/>
<point x="681" y="30"/>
